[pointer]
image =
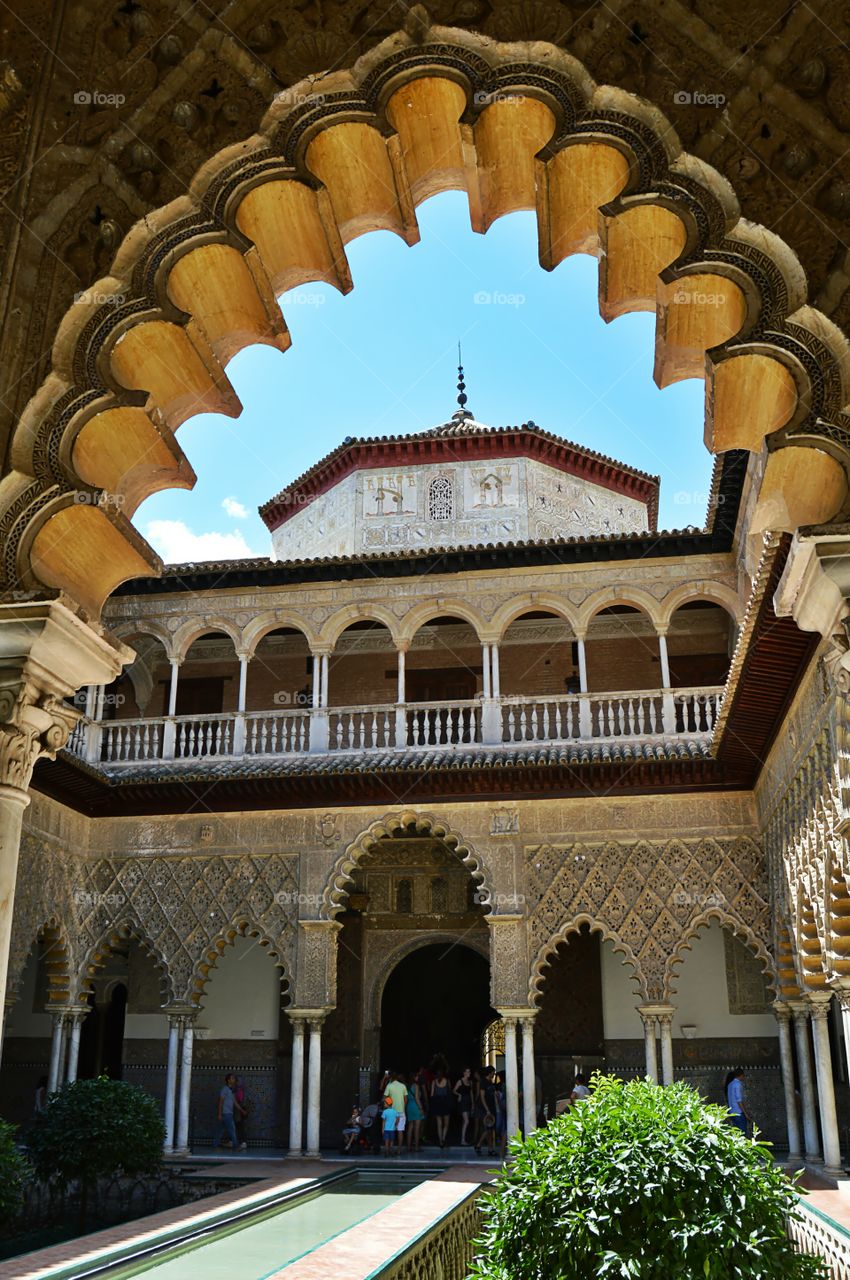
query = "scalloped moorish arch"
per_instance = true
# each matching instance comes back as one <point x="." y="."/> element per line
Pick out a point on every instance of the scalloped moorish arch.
<point x="739" y="930"/>
<point x="57" y="959"/>
<point x="518" y="127"/>
<point x="212" y="950"/>
<point x="547" y="951"/>
<point x="394" y="824"/>
<point x="125" y="930"/>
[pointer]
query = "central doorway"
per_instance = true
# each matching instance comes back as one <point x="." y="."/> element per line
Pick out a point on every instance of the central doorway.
<point x="436" y="1000"/>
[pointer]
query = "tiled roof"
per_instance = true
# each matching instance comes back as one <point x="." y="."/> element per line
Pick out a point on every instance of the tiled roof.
<point x="454" y="429"/>
<point x="526" y="755"/>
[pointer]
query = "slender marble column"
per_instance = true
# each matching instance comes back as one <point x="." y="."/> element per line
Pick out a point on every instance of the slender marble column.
<point x="650" y="1049"/>
<point x="401" y="711"/>
<point x="800" y="1014"/>
<point x="296" y="1092"/>
<point x="244" y="659"/>
<point x="529" y="1088"/>
<point x="511" y="1076"/>
<point x="317" y="679"/>
<point x="314" y="1085"/>
<point x="57" y="1044"/>
<point x="13" y="801"/>
<point x="401" y="684"/>
<point x="494" y="666"/>
<point x="171" y="1081"/>
<point x="582" y="664"/>
<point x="826" y="1086"/>
<point x="665" y="661"/>
<point x="786" y="1057"/>
<point x="184" y="1100"/>
<point x="843" y="995"/>
<point x="172" y="689"/>
<point x="665" y="1022"/>
<point x="485" y="669"/>
<point x="325" y="669"/>
<point x="74" y="1045"/>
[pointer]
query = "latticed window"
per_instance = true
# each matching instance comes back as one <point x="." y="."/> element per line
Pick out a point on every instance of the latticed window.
<point x="439" y="895"/>
<point x="440" y="498"/>
<point x="404" y="897"/>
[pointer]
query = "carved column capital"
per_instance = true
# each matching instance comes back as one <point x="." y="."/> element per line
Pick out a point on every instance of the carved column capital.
<point x="33" y="723"/>
<point x="660" y="1013"/>
<point x="800" y="1010"/>
<point x="819" y="1002"/>
<point x="782" y="1011"/>
<point x="841" y="990"/>
<point x="312" y="1018"/>
<point x="46" y="654"/>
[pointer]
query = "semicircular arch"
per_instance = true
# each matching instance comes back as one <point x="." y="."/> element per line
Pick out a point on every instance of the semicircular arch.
<point x="346" y="617"/>
<point x="127" y="630"/>
<point x="197" y="628"/>
<point x="609" y="597"/>
<point x="542" y="602"/>
<point x="265" y="623"/>
<point x="375" y="994"/>
<point x="421" y="614"/>
<point x="715" y="592"/>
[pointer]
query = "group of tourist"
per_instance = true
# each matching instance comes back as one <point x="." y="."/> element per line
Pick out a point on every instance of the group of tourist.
<point x="420" y="1106"/>
<point x="412" y="1108"/>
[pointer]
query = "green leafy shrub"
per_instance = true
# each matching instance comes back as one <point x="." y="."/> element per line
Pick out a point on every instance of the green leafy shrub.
<point x="14" y="1171"/>
<point x="94" y="1129"/>
<point x="642" y="1183"/>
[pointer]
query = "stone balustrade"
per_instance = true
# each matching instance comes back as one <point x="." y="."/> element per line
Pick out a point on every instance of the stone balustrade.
<point x="653" y="715"/>
<point x="814" y="1232"/>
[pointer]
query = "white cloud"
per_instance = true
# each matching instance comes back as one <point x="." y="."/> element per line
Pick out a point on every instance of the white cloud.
<point x="177" y="544"/>
<point x="235" y="509"/>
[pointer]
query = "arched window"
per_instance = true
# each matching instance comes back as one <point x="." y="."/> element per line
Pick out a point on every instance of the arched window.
<point x="404" y="897"/>
<point x="439" y="895"/>
<point x="440" y="504"/>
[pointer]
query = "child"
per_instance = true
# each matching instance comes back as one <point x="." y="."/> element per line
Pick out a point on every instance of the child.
<point x="351" y="1132"/>
<point x="390" y="1116"/>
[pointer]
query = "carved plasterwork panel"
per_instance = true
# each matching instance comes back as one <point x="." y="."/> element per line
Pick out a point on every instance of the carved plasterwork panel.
<point x="648" y="898"/>
<point x="746" y="988"/>
<point x="315" y="985"/>
<point x="183" y="910"/>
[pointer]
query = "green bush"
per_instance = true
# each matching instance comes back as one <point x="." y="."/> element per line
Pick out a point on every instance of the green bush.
<point x="641" y="1183"/>
<point x="93" y="1129"/>
<point x="14" y="1172"/>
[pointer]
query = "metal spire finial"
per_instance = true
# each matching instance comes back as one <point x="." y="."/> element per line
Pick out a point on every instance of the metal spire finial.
<point x="462" y="413"/>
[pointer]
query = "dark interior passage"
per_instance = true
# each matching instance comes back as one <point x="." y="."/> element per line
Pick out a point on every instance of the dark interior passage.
<point x="437" y="1000"/>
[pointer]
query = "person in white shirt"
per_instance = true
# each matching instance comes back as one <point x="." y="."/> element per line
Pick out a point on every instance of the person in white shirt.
<point x="580" y="1090"/>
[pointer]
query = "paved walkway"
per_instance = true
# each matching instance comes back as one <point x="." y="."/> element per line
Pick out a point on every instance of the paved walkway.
<point x="359" y="1251"/>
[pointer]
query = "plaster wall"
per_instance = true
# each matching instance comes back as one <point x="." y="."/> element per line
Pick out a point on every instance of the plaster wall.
<point x="491" y="501"/>
<point x="242" y="997"/>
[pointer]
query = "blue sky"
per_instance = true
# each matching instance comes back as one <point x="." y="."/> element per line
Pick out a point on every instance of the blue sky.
<point x="382" y="360"/>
